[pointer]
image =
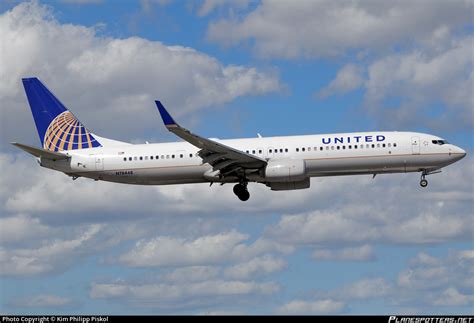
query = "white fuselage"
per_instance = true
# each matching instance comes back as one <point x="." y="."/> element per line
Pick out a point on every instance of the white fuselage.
<point x="323" y="155"/>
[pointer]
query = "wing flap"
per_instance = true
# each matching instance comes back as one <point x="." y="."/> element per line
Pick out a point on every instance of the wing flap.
<point x="39" y="152"/>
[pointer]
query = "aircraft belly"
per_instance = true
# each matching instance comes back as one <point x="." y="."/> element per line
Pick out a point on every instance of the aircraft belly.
<point x="157" y="175"/>
<point x="373" y="164"/>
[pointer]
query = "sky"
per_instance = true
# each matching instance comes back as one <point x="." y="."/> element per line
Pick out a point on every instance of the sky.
<point x="229" y="69"/>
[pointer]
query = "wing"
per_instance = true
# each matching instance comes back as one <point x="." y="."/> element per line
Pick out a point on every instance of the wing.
<point x="39" y="152"/>
<point x="225" y="160"/>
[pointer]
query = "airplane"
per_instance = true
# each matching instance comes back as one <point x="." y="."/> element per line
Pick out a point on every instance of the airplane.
<point x="281" y="163"/>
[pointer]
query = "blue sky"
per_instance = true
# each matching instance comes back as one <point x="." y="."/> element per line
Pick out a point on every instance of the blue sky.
<point x="349" y="245"/>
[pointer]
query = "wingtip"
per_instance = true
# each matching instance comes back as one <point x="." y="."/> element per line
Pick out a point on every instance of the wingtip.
<point x="167" y="119"/>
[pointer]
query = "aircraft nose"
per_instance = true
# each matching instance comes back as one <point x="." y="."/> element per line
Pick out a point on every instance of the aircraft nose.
<point x="459" y="152"/>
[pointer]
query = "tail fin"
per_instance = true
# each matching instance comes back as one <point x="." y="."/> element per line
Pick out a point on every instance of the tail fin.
<point x="58" y="128"/>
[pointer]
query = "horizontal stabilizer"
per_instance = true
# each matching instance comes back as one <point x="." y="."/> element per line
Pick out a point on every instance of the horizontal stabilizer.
<point x="39" y="152"/>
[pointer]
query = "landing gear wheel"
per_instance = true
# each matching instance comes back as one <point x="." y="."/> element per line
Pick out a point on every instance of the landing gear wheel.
<point x="244" y="196"/>
<point x="241" y="191"/>
<point x="423" y="183"/>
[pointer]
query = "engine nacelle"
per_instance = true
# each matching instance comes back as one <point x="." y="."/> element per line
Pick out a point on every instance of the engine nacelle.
<point x="285" y="170"/>
<point x="287" y="186"/>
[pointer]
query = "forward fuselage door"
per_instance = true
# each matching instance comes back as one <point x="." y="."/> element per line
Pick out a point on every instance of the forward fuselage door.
<point x="415" y="145"/>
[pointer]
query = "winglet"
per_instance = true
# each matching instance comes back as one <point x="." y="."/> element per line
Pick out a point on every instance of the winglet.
<point x="167" y="119"/>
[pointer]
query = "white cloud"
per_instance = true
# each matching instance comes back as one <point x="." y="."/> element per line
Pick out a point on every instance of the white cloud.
<point x="42" y="301"/>
<point x="170" y="251"/>
<point x="347" y="79"/>
<point x="420" y="78"/>
<point x="452" y="297"/>
<point x="327" y="28"/>
<point x="257" y="266"/>
<point x="367" y="288"/>
<point x="324" y="306"/>
<point x="205" y="250"/>
<point x="427" y="283"/>
<point x="208" y="6"/>
<point x="362" y="253"/>
<point x="437" y="281"/>
<point x="50" y="256"/>
<point x="98" y="76"/>
<point x="192" y="274"/>
<point x="15" y="229"/>
<point x="189" y="294"/>
<point x="415" y="80"/>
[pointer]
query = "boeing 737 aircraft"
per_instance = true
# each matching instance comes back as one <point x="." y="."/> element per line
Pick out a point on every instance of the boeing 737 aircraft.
<point x="281" y="163"/>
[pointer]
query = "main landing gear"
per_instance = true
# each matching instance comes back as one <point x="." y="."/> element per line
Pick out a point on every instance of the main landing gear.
<point x="241" y="191"/>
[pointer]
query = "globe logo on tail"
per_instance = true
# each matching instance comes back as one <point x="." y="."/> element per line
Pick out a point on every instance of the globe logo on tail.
<point x="65" y="132"/>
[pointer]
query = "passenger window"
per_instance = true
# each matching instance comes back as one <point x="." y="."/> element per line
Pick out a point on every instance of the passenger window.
<point x="373" y="145"/>
<point x="383" y="145"/>
<point x="378" y="145"/>
<point x="355" y="146"/>
<point x="332" y="147"/>
<point x="247" y="151"/>
<point x="367" y="146"/>
<point x="281" y="150"/>
<point x="350" y="147"/>
<point x="270" y="151"/>
<point x="190" y="155"/>
<point x="135" y="158"/>
<point x="181" y="156"/>
<point x="151" y="157"/>
<point x="172" y="156"/>
<point x="141" y="158"/>
<point x="394" y="145"/>
<point x="389" y="145"/>
<point x="167" y="156"/>
<point x="286" y="150"/>
<point x="302" y="149"/>
<point x="343" y="147"/>
<point x="320" y="148"/>
<point x="130" y="158"/>
<point x="260" y="151"/>
<point x="146" y="157"/>
<point x="162" y="156"/>
<point x="157" y="157"/>
<point x="297" y="149"/>
<point x="338" y="147"/>
<point x="309" y="148"/>
<point x="124" y="158"/>
<point x="253" y="152"/>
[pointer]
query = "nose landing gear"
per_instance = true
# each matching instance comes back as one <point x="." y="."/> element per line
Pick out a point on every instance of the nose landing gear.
<point x="423" y="181"/>
<point x="241" y="191"/>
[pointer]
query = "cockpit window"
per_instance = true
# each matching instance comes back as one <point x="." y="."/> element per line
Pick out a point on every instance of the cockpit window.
<point x="440" y="142"/>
